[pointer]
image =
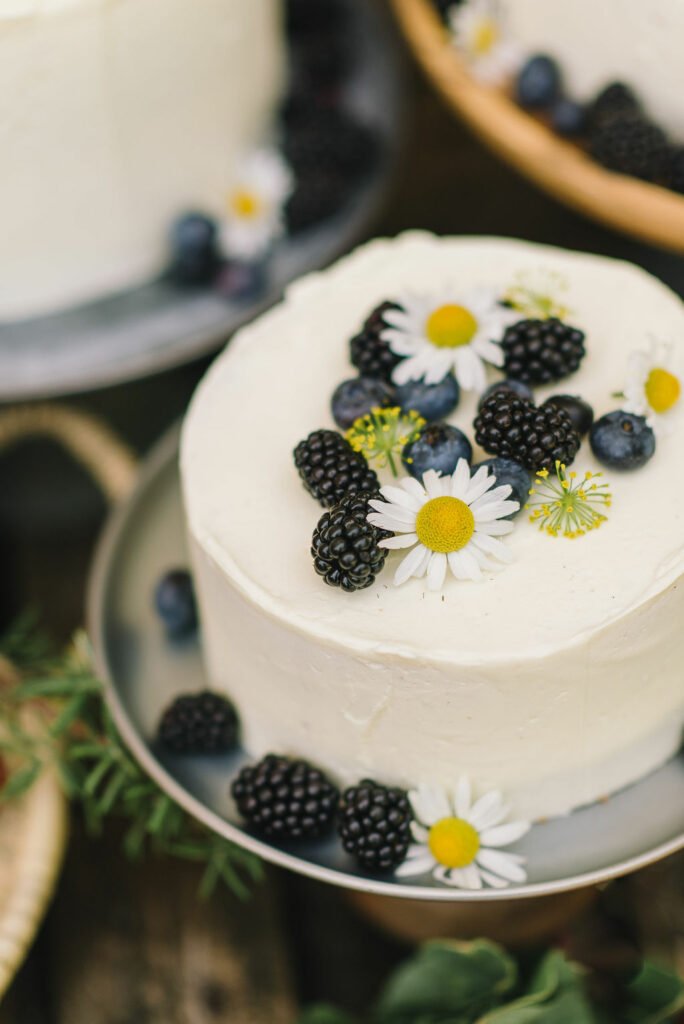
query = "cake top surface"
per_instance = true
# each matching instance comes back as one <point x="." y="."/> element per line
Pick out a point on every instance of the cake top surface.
<point x="248" y="510"/>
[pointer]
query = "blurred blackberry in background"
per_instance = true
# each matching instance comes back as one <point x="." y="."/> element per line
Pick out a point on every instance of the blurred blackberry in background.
<point x="630" y="144"/>
<point x="675" y="178"/>
<point x="616" y="100"/>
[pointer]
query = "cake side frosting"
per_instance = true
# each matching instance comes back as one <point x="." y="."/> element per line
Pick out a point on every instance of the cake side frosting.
<point x="526" y="668"/>
<point x="115" y="117"/>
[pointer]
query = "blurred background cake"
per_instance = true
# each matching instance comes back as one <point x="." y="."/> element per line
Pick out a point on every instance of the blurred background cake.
<point x="115" y="117"/>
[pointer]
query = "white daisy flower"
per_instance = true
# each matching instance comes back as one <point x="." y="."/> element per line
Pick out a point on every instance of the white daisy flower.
<point x="254" y="206"/>
<point x="443" y="333"/>
<point x="450" y="521"/>
<point x="478" y="32"/>
<point x="459" y="841"/>
<point x="654" y="386"/>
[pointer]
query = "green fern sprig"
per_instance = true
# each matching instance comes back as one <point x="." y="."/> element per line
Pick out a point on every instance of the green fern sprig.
<point x="71" y="731"/>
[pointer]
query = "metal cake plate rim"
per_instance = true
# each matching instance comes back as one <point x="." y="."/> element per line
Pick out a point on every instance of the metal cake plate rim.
<point x="164" y="453"/>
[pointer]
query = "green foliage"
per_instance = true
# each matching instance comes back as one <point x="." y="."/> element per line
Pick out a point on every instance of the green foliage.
<point x="453" y="981"/>
<point x="480" y="983"/>
<point x="55" y="717"/>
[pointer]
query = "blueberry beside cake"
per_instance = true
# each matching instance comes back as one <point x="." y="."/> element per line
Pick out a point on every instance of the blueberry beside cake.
<point x="478" y="592"/>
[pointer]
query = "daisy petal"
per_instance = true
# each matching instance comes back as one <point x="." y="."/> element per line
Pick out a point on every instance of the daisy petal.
<point x="436" y="571"/>
<point x="419" y="832"/>
<point x="432" y="484"/>
<point x="408" y="566"/>
<point x="502" y="864"/>
<point x="415" y="866"/>
<point x="461" y="878"/>
<point x="430" y="804"/>
<point x="387" y="522"/>
<point x="397" y="496"/>
<point x="464" y="566"/>
<point x="421" y="569"/>
<point x="460" y="481"/>
<point x="492" y="546"/>
<point x="411" y="485"/>
<point x="504" y="835"/>
<point x="496" y="528"/>
<point x="489" y="810"/>
<point x="404" y="540"/>
<point x="493" y="880"/>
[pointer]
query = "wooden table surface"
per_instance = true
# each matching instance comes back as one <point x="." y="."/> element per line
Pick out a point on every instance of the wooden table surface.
<point x="130" y="944"/>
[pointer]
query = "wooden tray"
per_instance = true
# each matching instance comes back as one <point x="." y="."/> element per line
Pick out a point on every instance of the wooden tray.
<point x="648" y="212"/>
<point x="32" y="836"/>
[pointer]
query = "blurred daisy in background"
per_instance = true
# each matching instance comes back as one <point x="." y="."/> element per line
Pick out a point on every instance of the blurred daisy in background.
<point x="253" y="218"/>
<point x="478" y="32"/>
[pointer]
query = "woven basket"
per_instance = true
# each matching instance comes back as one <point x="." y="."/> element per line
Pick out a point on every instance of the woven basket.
<point x="32" y="836"/>
<point x="646" y="211"/>
<point x="33" y="830"/>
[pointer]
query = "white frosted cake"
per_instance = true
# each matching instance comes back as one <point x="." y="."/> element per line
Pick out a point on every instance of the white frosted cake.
<point x="557" y="679"/>
<point x="616" y="40"/>
<point x="116" y="116"/>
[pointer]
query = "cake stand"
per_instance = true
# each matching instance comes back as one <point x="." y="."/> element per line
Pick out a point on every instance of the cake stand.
<point x="637" y="208"/>
<point x="143" y="671"/>
<point x="161" y="325"/>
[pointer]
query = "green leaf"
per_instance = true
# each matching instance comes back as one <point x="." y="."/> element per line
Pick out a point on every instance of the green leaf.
<point x="21" y="781"/>
<point x="447" y="980"/>
<point x="556" y="996"/>
<point x="654" y="996"/>
<point x="324" y="1014"/>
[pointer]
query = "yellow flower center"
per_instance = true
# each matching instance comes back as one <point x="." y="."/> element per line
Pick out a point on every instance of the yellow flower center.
<point x="453" y="842"/>
<point x="450" y="326"/>
<point x="445" y="524"/>
<point x="245" y="203"/>
<point x="662" y="389"/>
<point x="485" y="37"/>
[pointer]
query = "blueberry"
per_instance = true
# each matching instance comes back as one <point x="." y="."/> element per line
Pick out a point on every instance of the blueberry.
<point x="174" y="599"/>
<point x="579" y="411"/>
<point x="431" y="401"/>
<point x="622" y="440"/>
<point x="439" y="446"/>
<point x="568" y="118"/>
<point x="194" y="251"/>
<point x="516" y="386"/>
<point x="507" y="471"/>
<point x="538" y="83"/>
<point x="356" y="397"/>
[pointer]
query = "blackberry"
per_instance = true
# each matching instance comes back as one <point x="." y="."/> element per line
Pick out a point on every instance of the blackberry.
<point x="330" y="140"/>
<point x="615" y="100"/>
<point x="345" y="545"/>
<point x="516" y="429"/>
<point x="199" y="723"/>
<point x="330" y="468"/>
<point x="630" y="144"/>
<point x="285" y="799"/>
<point x="319" y="193"/>
<point x="369" y="353"/>
<point x="540" y="351"/>
<point x="374" y="824"/>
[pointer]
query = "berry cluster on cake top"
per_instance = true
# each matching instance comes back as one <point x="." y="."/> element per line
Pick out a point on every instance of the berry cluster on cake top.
<point x="397" y="476"/>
